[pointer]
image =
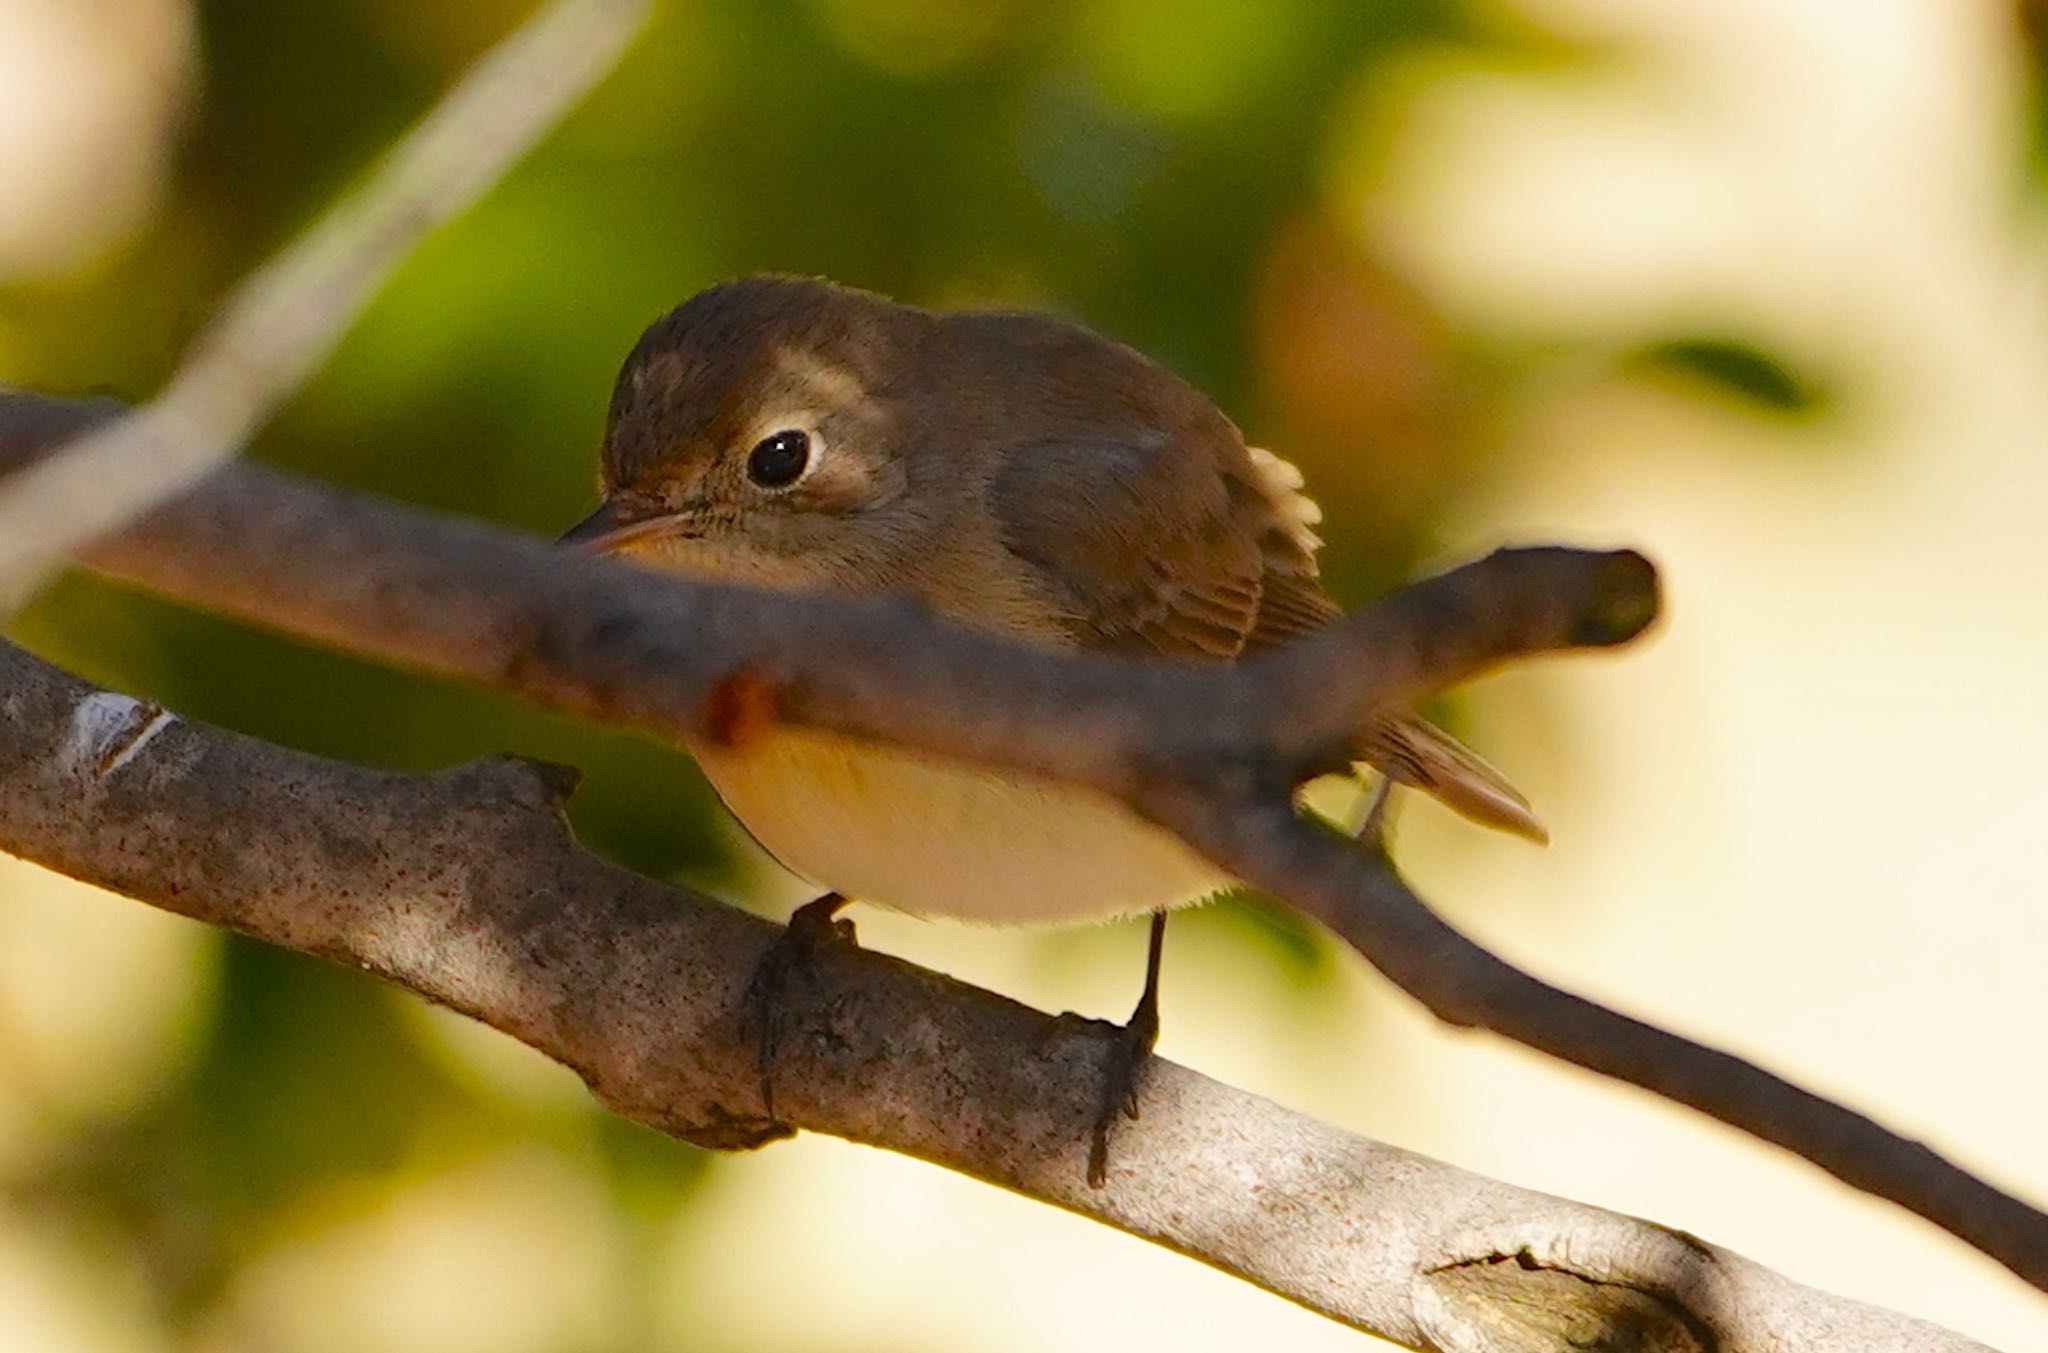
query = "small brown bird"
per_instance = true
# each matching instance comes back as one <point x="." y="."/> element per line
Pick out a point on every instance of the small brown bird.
<point x="1016" y="473"/>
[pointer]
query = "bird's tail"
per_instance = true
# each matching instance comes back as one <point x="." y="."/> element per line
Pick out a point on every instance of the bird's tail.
<point x="1417" y="753"/>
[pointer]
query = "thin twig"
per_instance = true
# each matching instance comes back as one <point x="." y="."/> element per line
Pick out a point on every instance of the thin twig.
<point x="280" y="324"/>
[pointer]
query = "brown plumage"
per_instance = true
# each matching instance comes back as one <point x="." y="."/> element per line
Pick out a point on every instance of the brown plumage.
<point x="1014" y="471"/>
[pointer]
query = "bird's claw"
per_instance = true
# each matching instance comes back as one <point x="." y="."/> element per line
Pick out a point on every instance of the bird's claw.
<point x="812" y="929"/>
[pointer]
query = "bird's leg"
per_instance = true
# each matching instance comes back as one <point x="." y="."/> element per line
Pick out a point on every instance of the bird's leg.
<point x="1129" y="1050"/>
<point x="811" y="929"/>
<point x="1372" y="828"/>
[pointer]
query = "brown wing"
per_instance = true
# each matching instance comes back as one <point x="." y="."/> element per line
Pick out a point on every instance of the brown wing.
<point x="1153" y="549"/>
<point x="1150" y="547"/>
<point x="1405" y="746"/>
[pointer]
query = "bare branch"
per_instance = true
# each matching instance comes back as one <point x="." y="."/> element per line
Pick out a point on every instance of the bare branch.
<point x="1212" y="752"/>
<point x="278" y="328"/>
<point x="467" y="888"/>
<point x="621" y="645"/>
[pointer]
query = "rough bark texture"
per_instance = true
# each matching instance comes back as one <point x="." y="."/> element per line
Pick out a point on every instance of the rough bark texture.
<point x="467" y="888"/>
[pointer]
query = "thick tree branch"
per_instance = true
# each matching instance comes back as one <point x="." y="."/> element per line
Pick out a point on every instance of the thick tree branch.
<point x="467" y="888"/>
<point x="1212" y="752"/>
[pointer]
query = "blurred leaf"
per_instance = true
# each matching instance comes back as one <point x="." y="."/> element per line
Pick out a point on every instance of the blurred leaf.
<point x="1269" y="931"/>
<point x="1742" y="369"/>
<point x="2033" y="27"/>
<point x="309" y="1074"/>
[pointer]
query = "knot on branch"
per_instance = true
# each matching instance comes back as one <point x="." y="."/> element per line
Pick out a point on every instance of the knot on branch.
<point x="1533" y="1285"/>
<point x="1513" y="1303"/>
<point x="523" y="782"/>
<point x="720" y="1130"/>
<point x="1624" y="598"/>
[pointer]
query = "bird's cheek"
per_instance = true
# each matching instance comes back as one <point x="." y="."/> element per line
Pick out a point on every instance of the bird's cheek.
<point x="755" y="553"/>
<point x="676" y="552"/>
<point x="849" y="481"/>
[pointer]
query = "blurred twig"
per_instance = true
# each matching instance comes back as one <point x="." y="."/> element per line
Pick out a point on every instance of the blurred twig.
<point x="281" y="323"/>
<point x="2033" y="28"/>
<point x="1212" y="753"/>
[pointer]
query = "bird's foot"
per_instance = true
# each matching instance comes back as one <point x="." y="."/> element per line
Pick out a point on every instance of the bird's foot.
<point x="1371" y="831"/>
<point x="1130" y="1048"/>
<point x="812" y="929"/>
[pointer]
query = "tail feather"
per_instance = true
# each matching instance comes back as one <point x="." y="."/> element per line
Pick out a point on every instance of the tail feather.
<point x="1417" y="753"/>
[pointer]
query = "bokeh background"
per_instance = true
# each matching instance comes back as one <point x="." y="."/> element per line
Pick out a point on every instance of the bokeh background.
<point x="1756" y="285"/>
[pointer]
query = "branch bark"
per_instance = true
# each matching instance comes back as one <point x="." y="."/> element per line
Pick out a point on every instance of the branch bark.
<point x="1212" y="752"/>
<point x="467" y="888"/>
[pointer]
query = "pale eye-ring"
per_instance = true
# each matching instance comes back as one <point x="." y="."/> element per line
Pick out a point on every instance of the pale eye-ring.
<point x="780" y="459"/>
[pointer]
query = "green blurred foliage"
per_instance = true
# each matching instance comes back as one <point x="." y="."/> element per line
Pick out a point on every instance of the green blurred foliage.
<point x="1742" y="369"/>
<point x="2033" y="27"/>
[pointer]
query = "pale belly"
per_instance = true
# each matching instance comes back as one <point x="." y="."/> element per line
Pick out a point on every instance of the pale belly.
<point x="941" y="839"/>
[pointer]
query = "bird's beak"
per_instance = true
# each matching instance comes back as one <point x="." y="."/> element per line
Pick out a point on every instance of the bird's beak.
<point x="615" y="524"/>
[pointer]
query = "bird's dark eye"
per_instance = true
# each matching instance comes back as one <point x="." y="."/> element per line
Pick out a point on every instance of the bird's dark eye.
<point x="777" y="462"/>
